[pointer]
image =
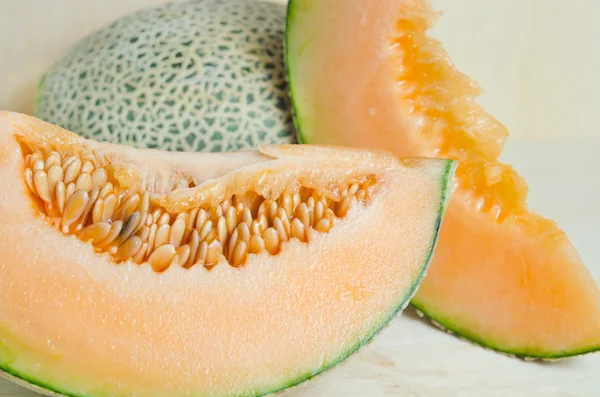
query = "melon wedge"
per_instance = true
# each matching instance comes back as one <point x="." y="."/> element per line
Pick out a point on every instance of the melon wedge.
<point x="367" y="75"/>
<point x="138" y="272"/>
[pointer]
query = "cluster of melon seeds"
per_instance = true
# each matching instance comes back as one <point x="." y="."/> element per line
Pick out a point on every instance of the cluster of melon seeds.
<point x="82" y="198"/>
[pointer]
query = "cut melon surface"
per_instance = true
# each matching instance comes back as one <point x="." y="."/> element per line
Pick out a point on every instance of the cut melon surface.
<point x="85" y="311"/>
<point x="367" y="75"/>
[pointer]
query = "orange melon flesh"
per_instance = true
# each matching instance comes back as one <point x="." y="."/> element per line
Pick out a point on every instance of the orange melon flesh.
<point x="367" y="75"/>
<point x="74" y="322"/>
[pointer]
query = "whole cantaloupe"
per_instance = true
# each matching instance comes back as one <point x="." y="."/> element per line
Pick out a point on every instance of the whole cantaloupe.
<point x="205" y="75"/>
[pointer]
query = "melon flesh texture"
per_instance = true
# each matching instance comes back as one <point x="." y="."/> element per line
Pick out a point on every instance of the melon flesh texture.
<point x="367" y="75"/>
<point x="75" y="321"/>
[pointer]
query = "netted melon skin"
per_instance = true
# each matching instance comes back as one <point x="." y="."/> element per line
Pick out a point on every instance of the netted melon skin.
<point x="204" y="75"/>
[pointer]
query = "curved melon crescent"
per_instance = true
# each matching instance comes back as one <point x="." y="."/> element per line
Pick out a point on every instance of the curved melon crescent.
<point x="366" y="75"/>
<point x="74" y="322"/>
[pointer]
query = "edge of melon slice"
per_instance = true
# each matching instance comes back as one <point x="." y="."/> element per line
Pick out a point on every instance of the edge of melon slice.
<point x="446" y="325"/>
<point x="55" y="137"/>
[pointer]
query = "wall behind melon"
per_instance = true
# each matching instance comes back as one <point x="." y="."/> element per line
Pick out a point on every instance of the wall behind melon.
<point x="538" y="61"/>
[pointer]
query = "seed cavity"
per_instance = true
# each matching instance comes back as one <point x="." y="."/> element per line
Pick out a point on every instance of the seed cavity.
<point x="81" y="198"/>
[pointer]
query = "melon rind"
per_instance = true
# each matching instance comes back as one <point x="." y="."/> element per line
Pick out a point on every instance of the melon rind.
<point x="203" y="76"/>
<point x="451" y="327"/>
<point x="288" y="66"/>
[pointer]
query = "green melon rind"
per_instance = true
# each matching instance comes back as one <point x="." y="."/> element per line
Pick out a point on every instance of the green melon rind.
<point x="446" y="324"/>
<point x="290" y="16"/>
<point x="30" y="384"/>
<point x="445" y="179"/>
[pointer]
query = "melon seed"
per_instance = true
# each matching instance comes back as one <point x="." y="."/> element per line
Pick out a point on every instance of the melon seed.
<point x="60" y="196"/>
<point x="129" y="248"/>
<point x="115" y="230"/>
<point x="29" y="179"/>
<point x="257" y="244"/>
<point x="95" y="232"/>
<point x="40" y="181"/>
<point x="74" y="208"/>
<point x="161" y="257"/>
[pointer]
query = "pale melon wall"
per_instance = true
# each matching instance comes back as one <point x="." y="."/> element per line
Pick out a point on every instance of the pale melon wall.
<point x="538" y="60"/>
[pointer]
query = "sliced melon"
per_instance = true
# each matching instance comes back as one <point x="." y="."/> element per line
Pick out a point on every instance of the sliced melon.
<point x="138" y="272"/>
<point x="366" y="75"/>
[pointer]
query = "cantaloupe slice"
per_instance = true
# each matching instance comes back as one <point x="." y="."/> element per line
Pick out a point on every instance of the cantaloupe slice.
<point x="138" y="272"/>
<point x="365" y="74"/>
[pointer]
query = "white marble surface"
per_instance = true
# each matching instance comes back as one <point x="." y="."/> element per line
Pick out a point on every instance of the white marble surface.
<point x="410" y="358"/>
